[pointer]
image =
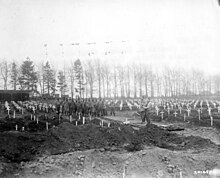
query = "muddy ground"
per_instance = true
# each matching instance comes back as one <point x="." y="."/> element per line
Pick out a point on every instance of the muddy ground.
<point x="89" y="150"/>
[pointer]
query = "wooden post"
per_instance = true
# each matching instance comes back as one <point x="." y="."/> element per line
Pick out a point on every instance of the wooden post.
<point x="14" y="114"/>
<point x="157" y="111"/>
<point x="211" y="121"/>
<point x="83" y="120"/>
<point x="209" y="110"/>
<point x="199" y="113"/>
<point x="47" y="126"/>
<point x="16" y="127"/>
<point x="162" y="115"/>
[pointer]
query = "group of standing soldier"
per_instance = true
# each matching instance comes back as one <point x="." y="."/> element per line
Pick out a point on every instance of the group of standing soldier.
<point x="85" y="107"/>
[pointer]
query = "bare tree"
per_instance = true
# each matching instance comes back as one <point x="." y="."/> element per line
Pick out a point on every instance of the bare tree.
<point x="71" y="75"/>
<point x="106" y="76"/>
<point x="135" y="79"/>
<point x="4" y="70"/>
<point x="127" y="81"/>
<point x="98" y="75"/>
<point x="140" y="78"/>
<point x="40" y="76"/>
<point x="90" y="76"/>
<point x="115" y="83"/>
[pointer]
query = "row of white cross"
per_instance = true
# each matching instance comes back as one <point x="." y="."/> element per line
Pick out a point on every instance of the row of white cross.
<point x="199" y="110"/>
<point x="33" y="105"/>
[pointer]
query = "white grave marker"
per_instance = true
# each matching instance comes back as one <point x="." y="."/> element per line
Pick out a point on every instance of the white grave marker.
<point x="162" y="114"/>
<point x="211" y="121"/>
<point x="175" y="114"/>
<point x="46" y="125"/>
<point x="188" y="111"/>
<point x="83" y="120"/>
<point x="199" y="113"/>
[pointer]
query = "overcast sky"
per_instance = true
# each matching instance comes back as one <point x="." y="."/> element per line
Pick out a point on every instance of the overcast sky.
<point x="173" y="32"/>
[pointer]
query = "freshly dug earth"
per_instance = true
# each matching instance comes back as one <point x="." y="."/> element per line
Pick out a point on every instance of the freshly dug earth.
<point x="24" y="146"/>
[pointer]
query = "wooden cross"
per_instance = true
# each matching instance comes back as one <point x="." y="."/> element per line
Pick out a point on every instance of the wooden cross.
<point x="188" y="111"/>
<point x="8" y="109"/>
<point x="126" y="121"/>
<point x="175" y="113"/>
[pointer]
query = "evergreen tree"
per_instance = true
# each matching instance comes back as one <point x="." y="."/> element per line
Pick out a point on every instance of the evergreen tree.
<point x="62" y="83"/>
<point x="79" y="77"/>
<point x="14" y="75"/>
<point x="49" y="79"/>
<point x="28" y="78"/>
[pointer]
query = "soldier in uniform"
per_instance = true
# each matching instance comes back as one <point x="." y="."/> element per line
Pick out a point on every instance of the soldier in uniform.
<point x="58" y="106"/>
<point x="144" y="114"/>
<point x="112" y="108"/>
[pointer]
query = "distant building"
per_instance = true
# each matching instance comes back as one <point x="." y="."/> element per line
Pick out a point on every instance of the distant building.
<point x="15" y="95"/>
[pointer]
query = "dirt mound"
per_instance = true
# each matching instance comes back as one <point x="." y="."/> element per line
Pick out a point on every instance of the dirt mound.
<point x="18" y="146"/>
<point x="154" y="135"/>
<point x="66" y="137"/>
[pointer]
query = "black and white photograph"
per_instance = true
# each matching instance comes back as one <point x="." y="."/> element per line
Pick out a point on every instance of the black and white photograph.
<point x="109" y="89"/>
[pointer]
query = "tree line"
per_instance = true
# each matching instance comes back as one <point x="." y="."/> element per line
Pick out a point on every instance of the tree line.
<point x="99" y="78"/>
